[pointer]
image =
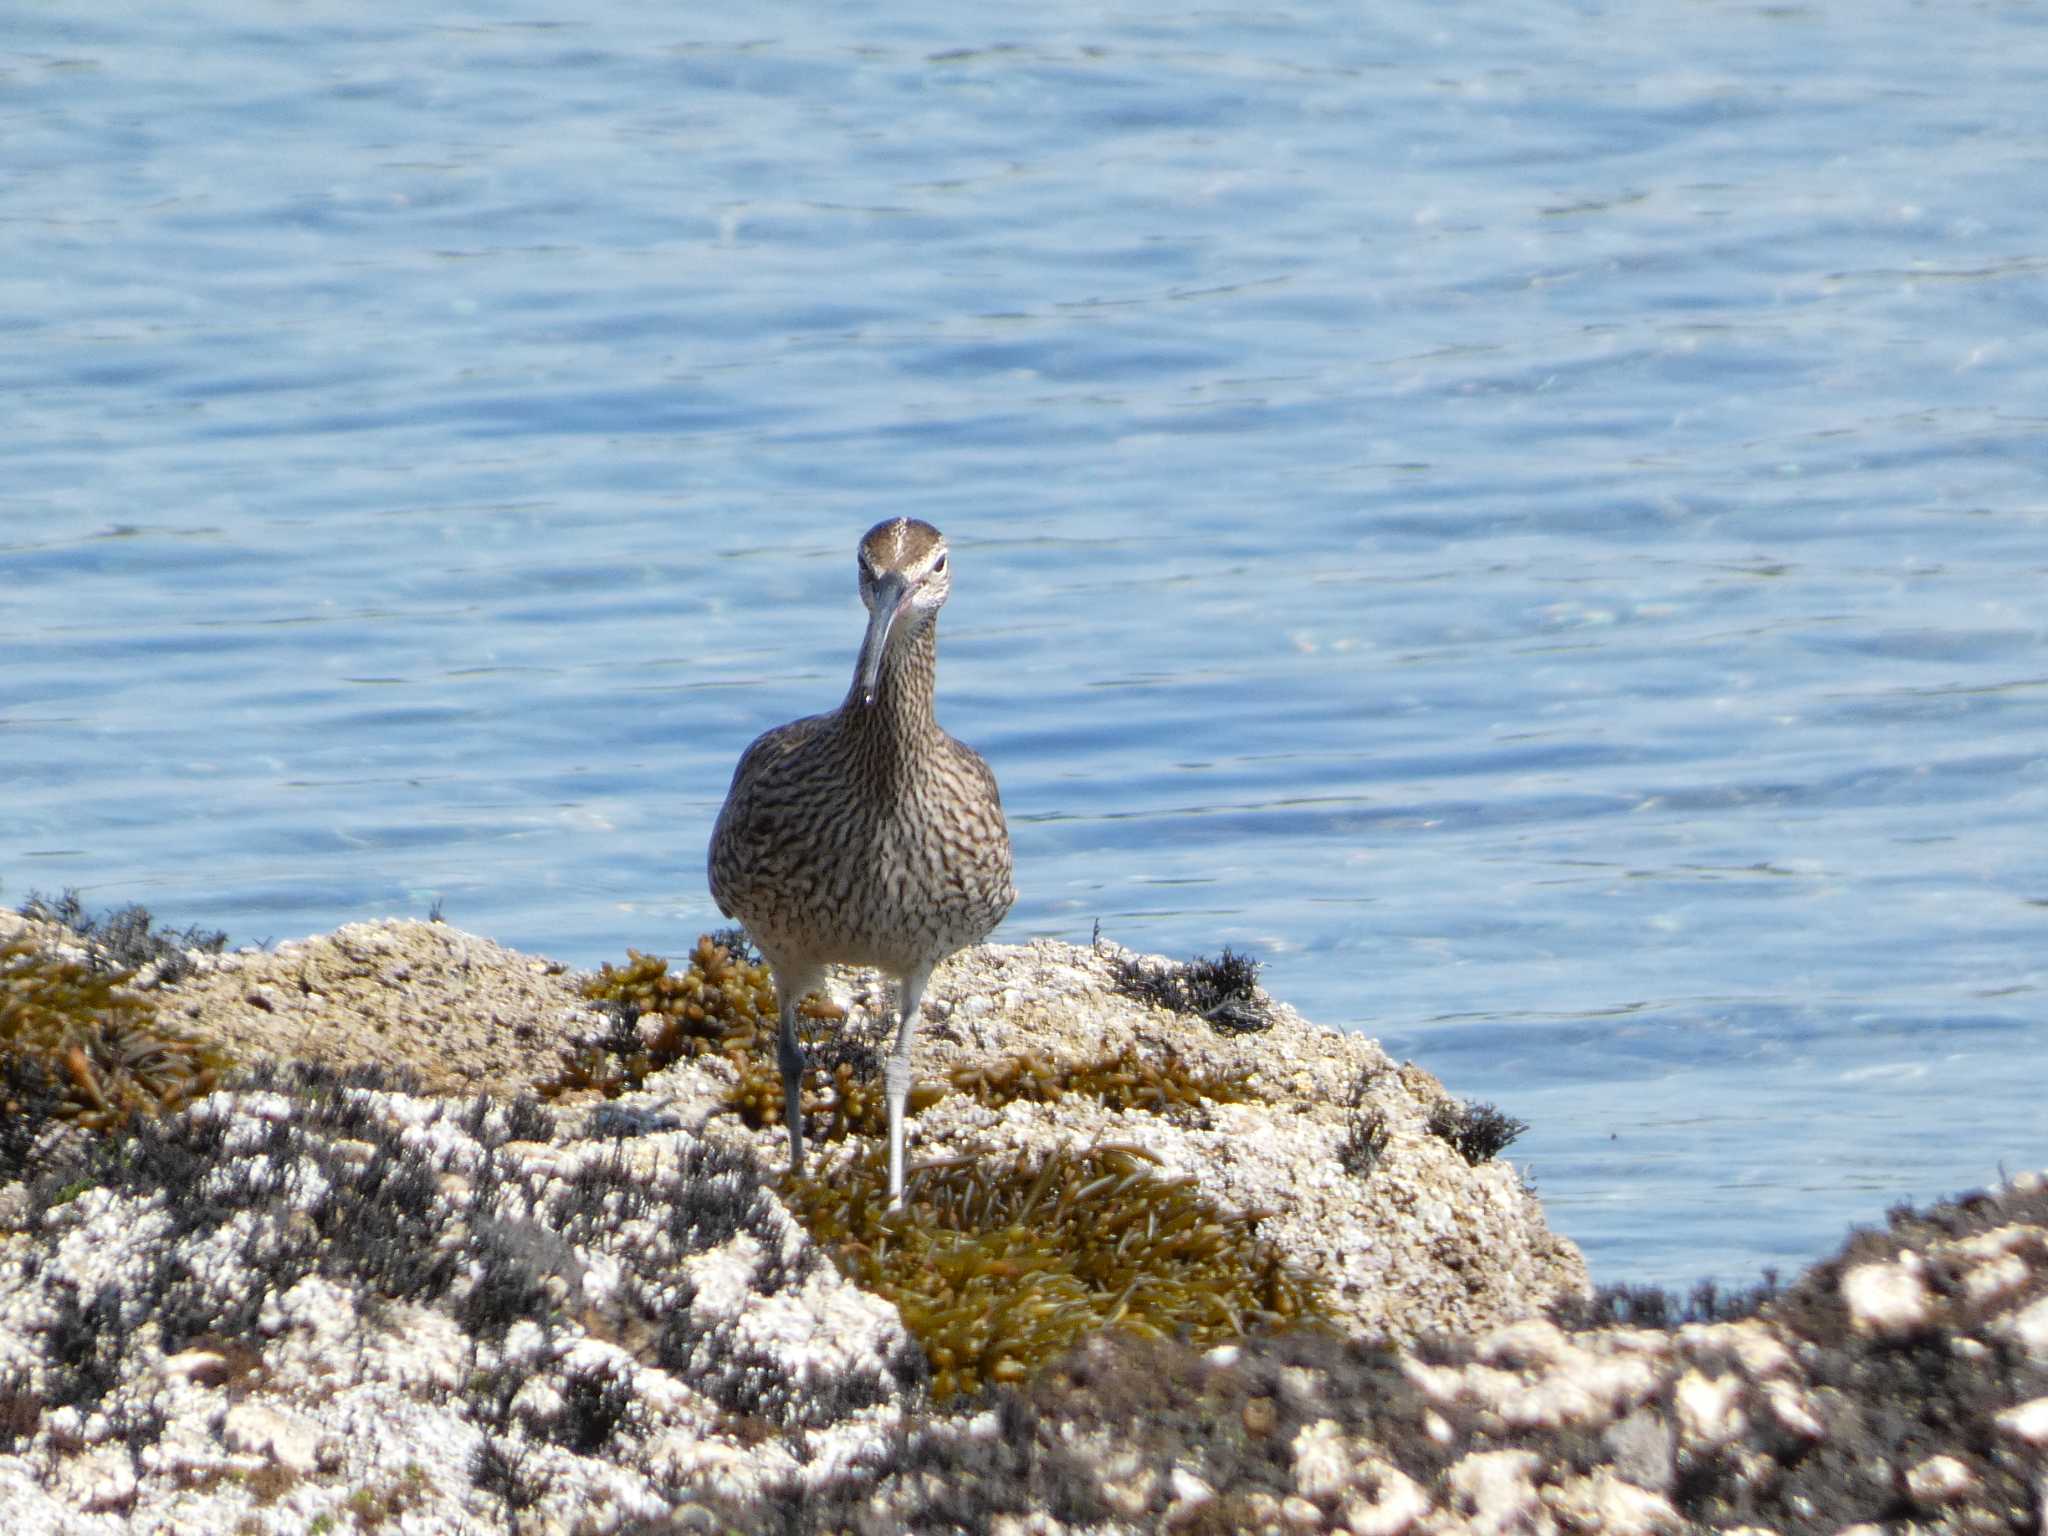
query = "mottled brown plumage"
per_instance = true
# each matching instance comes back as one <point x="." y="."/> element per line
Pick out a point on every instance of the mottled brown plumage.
<point x="867" y="836"/>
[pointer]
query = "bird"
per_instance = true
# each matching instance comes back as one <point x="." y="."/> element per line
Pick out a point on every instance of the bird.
<point x="867" y="835"/>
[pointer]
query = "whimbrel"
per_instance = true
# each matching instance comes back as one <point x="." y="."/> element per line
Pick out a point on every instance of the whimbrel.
<point x="867" y="836"/>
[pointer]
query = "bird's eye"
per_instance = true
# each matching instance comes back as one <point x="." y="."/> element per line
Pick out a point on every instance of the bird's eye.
<point x="939" y="566"/>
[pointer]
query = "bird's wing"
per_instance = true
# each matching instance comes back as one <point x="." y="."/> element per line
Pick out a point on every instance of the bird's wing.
<point x="742" y="824"/>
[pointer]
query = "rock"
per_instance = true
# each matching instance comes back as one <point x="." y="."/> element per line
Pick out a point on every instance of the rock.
<point x="99" y="1482"/>
<point x="258" y="1430"/>
<point x="1612" y="1506"/>
<point x="1429" y="1245"/>
<point x="1641" y="1449"/>
<point x="1188" y="1497"/>
<point x="420" y="996"/>
<point x="2028" y="1423"/>
<point x="1794" y="1411"/>
<point x="205" y="1366"/>
<point x="1323" y="1463"/>
<point x="1300" y="1514"/>
<point x="1259" y="1417"/>
<point x="1385" y="1502"/>
<point x="2028" y="1328"/>
<point x="1495" y="1492"/>
<point x="1887" y="1301"/>
<point x="1940" y="1481"/>
<point x="1709" y="1410"/>
<point x="351" y="1302"/>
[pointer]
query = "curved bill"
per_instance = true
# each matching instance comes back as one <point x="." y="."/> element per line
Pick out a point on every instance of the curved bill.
<point x="892" y="596"/>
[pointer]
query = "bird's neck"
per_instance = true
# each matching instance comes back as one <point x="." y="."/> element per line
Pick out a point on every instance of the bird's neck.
<point x="902" y="710"/>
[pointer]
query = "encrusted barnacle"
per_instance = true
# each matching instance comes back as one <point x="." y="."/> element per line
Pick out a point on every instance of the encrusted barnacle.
<point x="103" y="1051"/>
<point x="999" y="1265"/>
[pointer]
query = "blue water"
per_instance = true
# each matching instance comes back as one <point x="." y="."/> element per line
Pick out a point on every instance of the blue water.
<point x="1529" y="517"/>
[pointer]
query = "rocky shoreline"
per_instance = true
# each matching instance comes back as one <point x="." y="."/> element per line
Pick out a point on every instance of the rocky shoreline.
<point x="454" y="1241"/>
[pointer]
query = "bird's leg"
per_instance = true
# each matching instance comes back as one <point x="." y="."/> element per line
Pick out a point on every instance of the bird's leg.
<point x="789" y="1055"/>
<point x="896" y="1078"/>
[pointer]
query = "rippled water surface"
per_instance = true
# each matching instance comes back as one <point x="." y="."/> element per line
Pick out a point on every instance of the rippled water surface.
<point x="1529" y="517"/>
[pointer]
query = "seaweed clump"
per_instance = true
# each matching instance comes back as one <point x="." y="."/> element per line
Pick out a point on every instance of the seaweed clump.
<point x="1168" y="1087"/>
<point x="78" y="1045"/>
<point x="723" y="1004"/>
<point x="717" y="1005"/>
<point x="1225" y="991"/>
<point x="1625" y="1305"/>
<point x="1477" y="1132"/>
<point x="734" y="941"/>
<point x="126" y="939"/>
<point x="842" y="1092"/>
<point x="997" y="1266"/>
<point x="1000" y="1266"/>
<point x="1366" y="1132"/>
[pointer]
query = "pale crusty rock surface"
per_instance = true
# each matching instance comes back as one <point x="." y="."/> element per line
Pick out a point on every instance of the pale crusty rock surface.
<point x="1440" y="1246"/>
<point x="327" y="1302"/>
<point x="285" y="1307"/>
<point x="466" y="1014"/>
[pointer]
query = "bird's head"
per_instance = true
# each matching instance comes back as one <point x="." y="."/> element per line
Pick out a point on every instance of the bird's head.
<point x="904" y="582"/>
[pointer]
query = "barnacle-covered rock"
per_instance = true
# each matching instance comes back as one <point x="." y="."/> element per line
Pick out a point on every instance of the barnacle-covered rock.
<point x="461" y="1013"/>
<point x="472" y="1290"/>
<point x="724" y="1006"/>
<point x="324" y="1298"/>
